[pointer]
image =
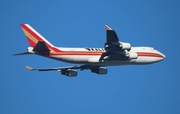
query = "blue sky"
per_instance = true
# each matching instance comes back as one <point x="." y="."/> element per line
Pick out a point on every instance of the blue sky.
<point x="150" y="89"/>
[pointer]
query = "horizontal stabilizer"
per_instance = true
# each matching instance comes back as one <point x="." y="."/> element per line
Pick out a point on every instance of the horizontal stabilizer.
<point x="29" y="68"/>
<point x="24" y="53"/>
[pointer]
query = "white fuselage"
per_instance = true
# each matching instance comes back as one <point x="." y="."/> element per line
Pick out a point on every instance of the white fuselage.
<point x="146" y="55"/>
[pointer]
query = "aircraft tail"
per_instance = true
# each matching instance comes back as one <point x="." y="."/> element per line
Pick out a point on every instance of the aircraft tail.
<point x="36" y="40"/>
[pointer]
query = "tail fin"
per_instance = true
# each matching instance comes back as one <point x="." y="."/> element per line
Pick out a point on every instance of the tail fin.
<point x="34" y="37"/>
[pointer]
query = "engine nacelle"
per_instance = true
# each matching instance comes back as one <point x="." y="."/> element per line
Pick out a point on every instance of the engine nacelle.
<point x="100" y="70"/>
<point x="70" y="73"/>
<point x="132" y="55"/>
<point x="125" y="46"/>
<point x="121" y="45"/>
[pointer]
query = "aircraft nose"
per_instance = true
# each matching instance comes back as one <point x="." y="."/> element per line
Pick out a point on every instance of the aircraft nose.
<point x="162" y="56"/>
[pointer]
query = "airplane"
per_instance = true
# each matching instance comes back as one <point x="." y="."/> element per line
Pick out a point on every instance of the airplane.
<point x="114" y="53"/>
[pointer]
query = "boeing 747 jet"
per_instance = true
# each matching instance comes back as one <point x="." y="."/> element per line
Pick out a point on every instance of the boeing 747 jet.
<point x="114" y="53"/>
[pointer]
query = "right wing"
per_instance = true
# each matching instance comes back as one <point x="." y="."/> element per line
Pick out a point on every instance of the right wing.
<point x="111" y="36"/>
<point x="115" y="50"/>
<point x="112" y="41"/>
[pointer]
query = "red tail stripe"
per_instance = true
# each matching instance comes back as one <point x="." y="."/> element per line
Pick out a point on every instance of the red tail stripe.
<point x="33" y="34"/>
<point x="38" y="38"/>
<point x="30" y="31"/>
<point x="32" y="43"/>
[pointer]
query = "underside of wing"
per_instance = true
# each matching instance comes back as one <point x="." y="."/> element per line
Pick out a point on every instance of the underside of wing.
<point x="111" y="36"/>
<point x="116" y="50"/>
<point x="112" y="41"/>
<point x="52" y="69"/>
<point x="71" y="70"/>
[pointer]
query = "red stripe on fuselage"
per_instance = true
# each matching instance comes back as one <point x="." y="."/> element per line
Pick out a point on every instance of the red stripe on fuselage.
<point x="149" y="54"/>
<point x="85" y="53"/>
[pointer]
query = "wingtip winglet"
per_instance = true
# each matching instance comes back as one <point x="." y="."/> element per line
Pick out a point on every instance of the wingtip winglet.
<point x="107" y="27"/>
<point x="28" y="68"/>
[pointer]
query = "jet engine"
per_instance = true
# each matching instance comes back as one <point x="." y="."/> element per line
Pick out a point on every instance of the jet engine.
<point x="121" y="45"/>
<point x="132" y="55"/>
<point x="70" y="73"/>
<point x="125" y="46"/>
<point x="100" y="70"/>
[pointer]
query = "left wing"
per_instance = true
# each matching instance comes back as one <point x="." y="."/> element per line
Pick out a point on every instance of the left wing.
<point x="70" y="70"/>
<point x="52" y="69"/>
